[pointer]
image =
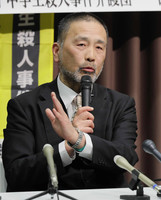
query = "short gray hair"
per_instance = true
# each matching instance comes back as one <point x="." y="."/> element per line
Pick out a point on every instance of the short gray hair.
<point x="65" y="23"/>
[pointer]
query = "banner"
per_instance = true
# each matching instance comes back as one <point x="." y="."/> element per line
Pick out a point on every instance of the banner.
<point x="26" y="59"/>
<point x="58" y="6"/>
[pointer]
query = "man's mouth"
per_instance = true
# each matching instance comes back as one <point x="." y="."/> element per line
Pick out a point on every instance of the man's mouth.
<point x="88" y="69"/>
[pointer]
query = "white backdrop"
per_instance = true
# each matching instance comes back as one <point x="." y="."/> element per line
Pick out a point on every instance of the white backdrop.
<point x="59" y="6"/>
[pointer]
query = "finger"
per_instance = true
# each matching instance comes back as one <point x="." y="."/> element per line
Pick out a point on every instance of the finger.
<point x="89" y="123"/>
<point x="83" y="125"/>
<point x="57" y="104"/>
<point x="86" y="123"/>
<point x="85" y="108"/>
<point x="84" y="115"/>
<point x="87" y="129"/>
<point x="89" y="116"/>
<point x="50" y="115"/>
<point x="57" y="114"/>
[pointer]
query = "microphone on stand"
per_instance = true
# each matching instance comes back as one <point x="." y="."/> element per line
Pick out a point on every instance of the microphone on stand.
<point x="86" y="86"/>
<point x="48" y="151"/>
<point x="124" y="164"/>
<point x="149" y="147"/>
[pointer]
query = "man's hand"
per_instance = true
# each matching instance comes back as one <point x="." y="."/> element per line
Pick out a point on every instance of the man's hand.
<point x="60" y="121"/>
<point x="84" y="120"/>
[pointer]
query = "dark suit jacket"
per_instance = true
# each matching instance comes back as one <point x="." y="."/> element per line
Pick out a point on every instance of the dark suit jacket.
<point x="28" y="130"/>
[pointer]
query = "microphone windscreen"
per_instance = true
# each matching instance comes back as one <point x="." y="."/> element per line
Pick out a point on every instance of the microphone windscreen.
<point x="148" y="146"/>
<point x="48" y="150"/>
<point x="86" y="81"/>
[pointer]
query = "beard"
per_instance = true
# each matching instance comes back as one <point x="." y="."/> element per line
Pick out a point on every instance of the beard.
<point x="77" y="75"/>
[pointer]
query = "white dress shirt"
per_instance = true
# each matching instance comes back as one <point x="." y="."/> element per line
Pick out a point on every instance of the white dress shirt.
<point x="67" y="95"/>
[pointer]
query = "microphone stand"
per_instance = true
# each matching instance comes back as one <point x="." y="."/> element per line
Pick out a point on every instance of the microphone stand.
<point x="51" y="190"/>
<point x="135" y="185"/>
<point x="158" y="194"/>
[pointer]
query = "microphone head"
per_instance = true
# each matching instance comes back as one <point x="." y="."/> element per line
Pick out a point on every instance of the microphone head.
<point x="116" y="158"/>
<point x="47" y="148"/>
<point x="86" y="81"/>
<point x="120" y="161"/>
<point x="123" y="163"/>
<point x="148" y="146"/>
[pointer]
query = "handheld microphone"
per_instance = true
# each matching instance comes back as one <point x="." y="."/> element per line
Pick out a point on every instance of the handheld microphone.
<point x="48" y="153"/>
<point x="149" y="147"/>
<point x="86" y="84"/>
<point x="124" y="164"/>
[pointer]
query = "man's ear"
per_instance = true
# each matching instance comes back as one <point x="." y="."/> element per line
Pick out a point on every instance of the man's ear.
<point x="56" y="49"/>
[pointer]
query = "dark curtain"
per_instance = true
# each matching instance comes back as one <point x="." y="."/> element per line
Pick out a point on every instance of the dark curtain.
<point x="133" y="67"/>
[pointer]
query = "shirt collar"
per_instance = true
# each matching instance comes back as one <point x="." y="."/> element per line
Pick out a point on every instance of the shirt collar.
<point x="67" y="94"/>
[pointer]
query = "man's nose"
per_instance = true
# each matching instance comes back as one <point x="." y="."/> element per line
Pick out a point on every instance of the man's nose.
<point x="90" y="54"/>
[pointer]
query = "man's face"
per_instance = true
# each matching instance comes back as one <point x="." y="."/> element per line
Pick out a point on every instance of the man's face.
<point x="83" y="51"/>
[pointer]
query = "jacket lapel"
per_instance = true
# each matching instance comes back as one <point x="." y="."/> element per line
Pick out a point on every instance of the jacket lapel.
<point x="102" y="103"/>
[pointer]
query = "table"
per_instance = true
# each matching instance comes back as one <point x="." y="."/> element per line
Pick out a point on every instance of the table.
<point x="92" y="194"/>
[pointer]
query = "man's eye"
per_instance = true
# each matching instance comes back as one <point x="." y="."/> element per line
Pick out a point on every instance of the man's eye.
<point x="81" y="44"/>
<point x="98" y="47"/>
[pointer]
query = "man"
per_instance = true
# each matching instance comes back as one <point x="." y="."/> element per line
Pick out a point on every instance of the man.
<point x="84" y="142"/>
